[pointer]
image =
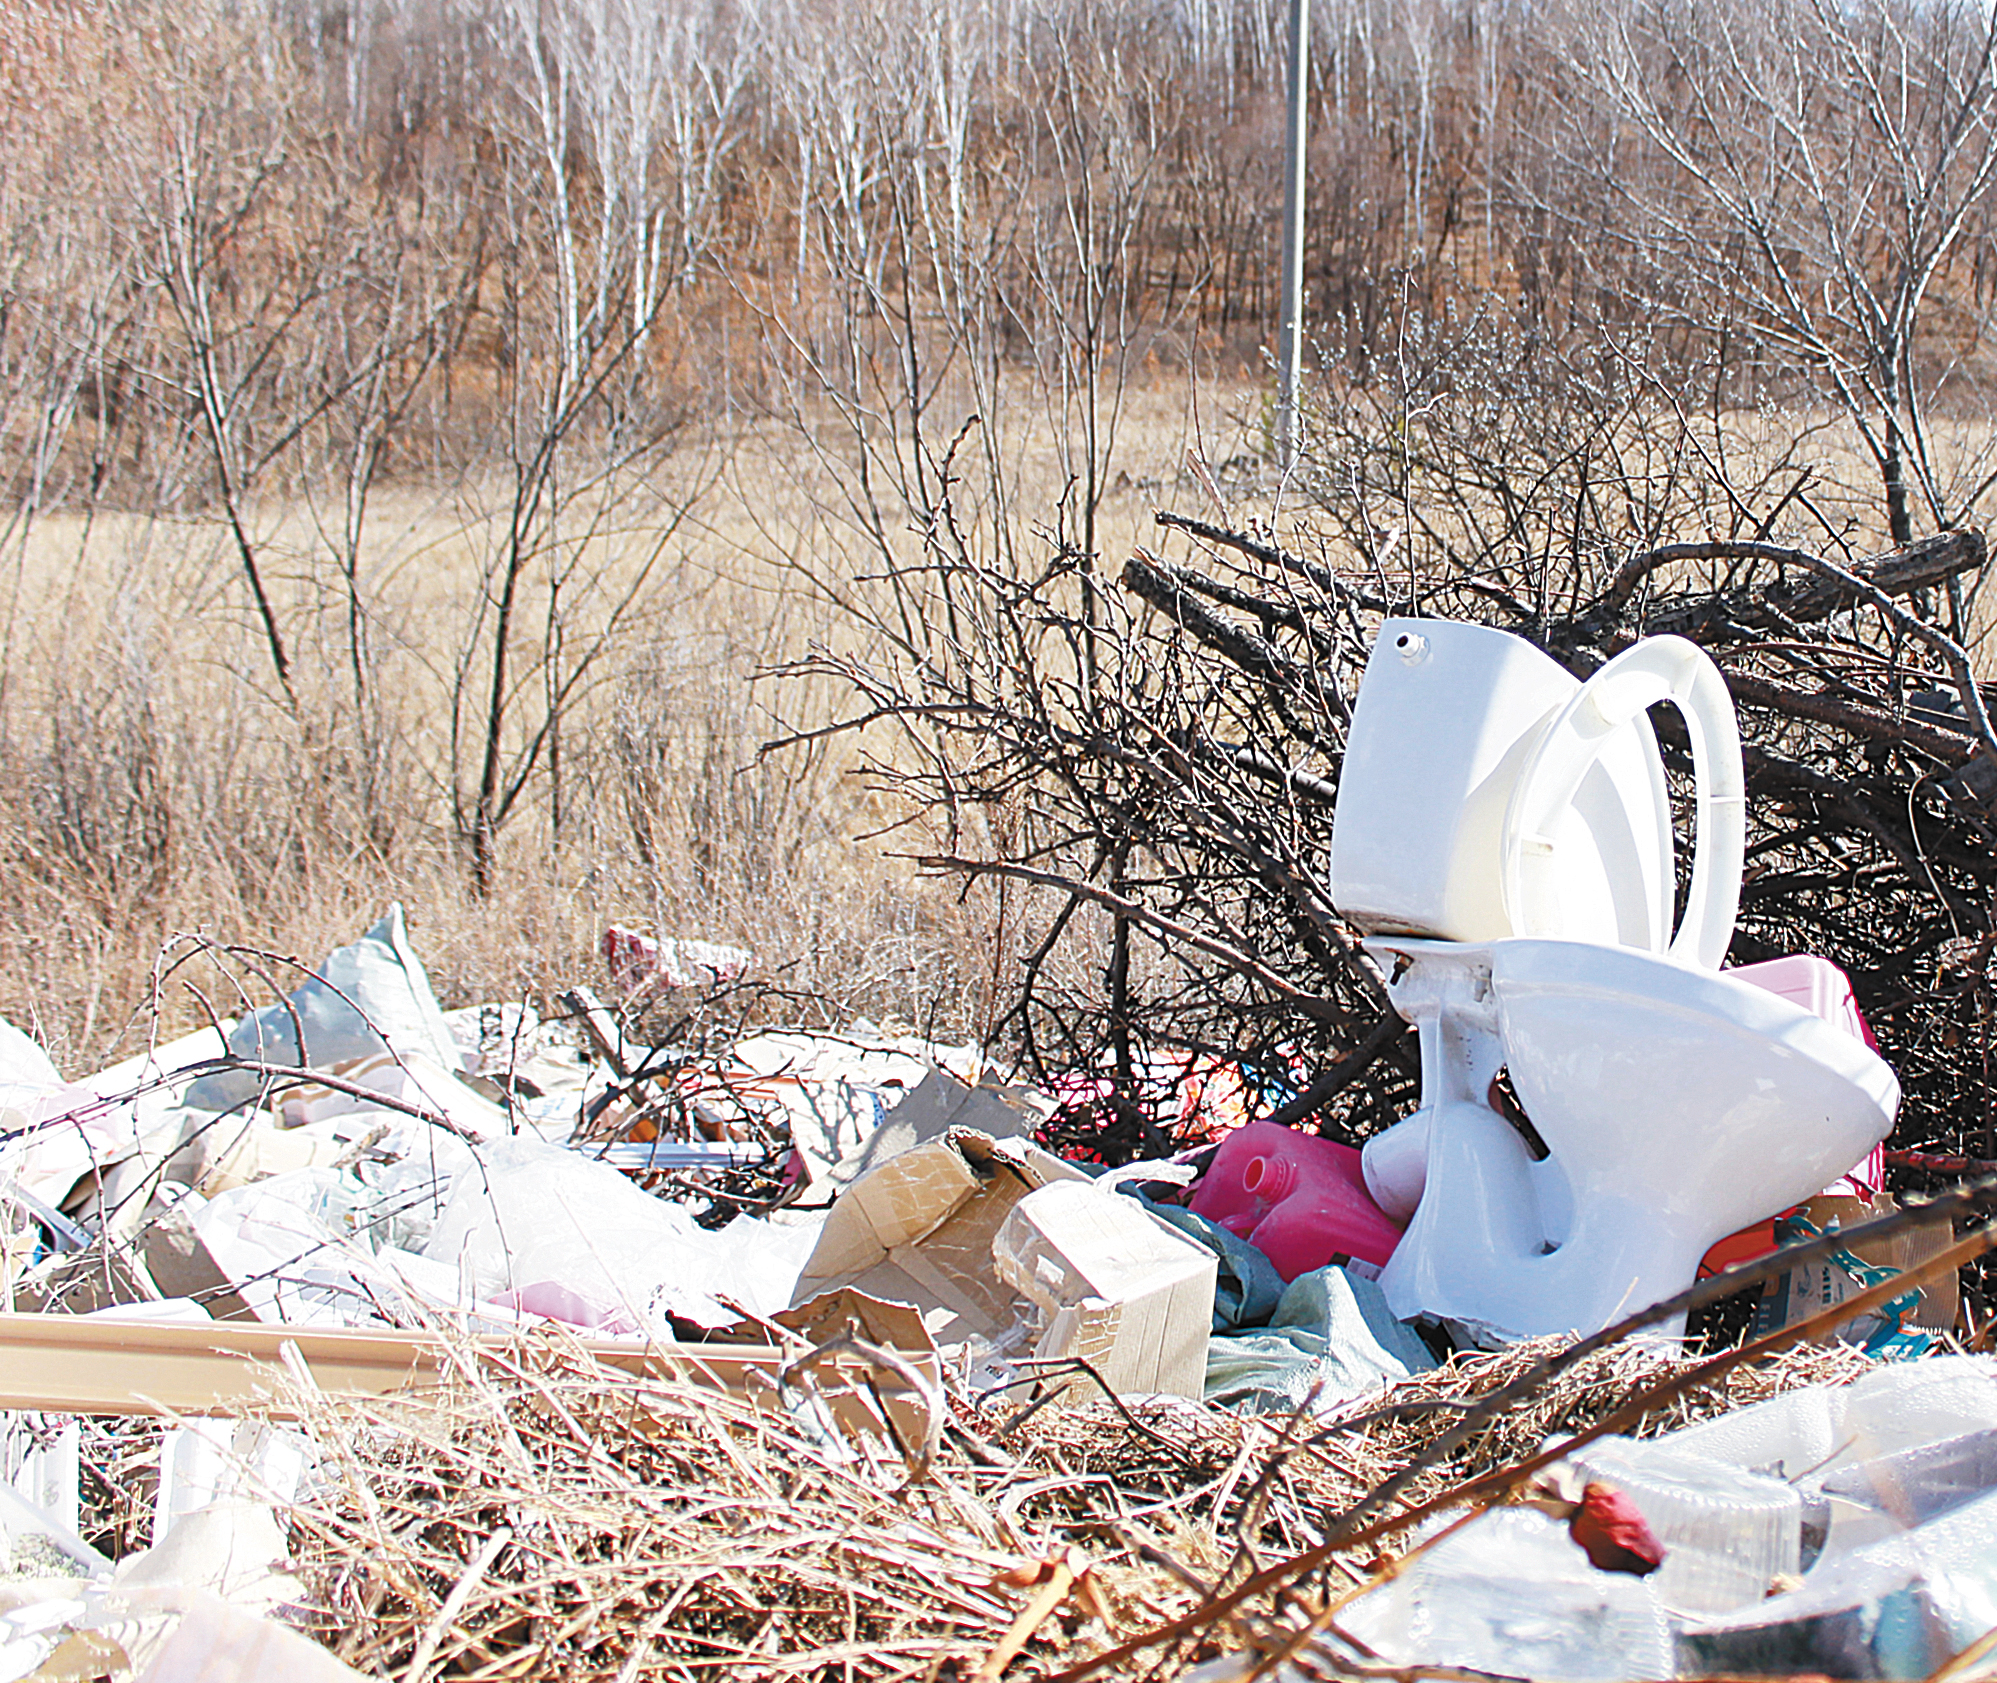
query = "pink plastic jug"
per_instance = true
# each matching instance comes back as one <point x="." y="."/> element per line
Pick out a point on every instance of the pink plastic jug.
<point x="1298" y="1199"/>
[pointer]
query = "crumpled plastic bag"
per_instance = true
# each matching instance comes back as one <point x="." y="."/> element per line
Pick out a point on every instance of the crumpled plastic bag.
<point x="25" y="1070"/>
<point x="1332" y="1333"/>
<point x="392" y="1009"/>
<point x="547" y="1231"/>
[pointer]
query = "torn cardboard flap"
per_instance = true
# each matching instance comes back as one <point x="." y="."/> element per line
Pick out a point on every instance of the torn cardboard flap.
<point x="932" y="1111"/>
<point x="1803" y="1292"/>
<point x="819" y="1320"/>
<point x="919" y="1229"/>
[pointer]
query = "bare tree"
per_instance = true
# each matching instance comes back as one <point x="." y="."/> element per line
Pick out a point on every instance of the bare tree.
<point x="1806" y="177"/>
<point x="574" y="535"/>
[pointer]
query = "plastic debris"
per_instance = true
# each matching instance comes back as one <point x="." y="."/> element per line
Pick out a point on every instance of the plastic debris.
<point x="863" y="1239"/>
<point x="1512" y="1593"/>
<point x="370" y="997"/>
<point x="1329" y="1339"/>
<point x="638" y="961"/>
<point x="1723" y="1536"/>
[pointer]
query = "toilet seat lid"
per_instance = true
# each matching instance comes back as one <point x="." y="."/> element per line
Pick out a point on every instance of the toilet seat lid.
<point x="1653" y="670"/>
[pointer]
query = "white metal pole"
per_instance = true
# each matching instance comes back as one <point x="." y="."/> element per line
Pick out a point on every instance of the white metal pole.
<point x="1290" y="329"/>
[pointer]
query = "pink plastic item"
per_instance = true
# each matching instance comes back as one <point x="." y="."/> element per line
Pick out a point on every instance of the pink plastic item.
<point x="1298" y="1199"/>
<point x="1818" y="986"/>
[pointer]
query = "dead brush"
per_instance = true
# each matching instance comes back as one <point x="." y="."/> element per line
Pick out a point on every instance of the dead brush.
<point x="1263" y="1486"/>
<point x="544" y="1518"/>
<point x="541" y="1516"/>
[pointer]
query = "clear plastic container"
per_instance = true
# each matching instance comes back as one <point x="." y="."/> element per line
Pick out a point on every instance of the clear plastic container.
<point x="1511" y="1594"/>
<point x="1789" y="1437"/>
<point x="1897" y="1609"/>
<point x="1300" y="1200"/>
<point x="1727" y="1533"/>
<point x="1876" y="1499"/>
<point x="1913" y="1403"/>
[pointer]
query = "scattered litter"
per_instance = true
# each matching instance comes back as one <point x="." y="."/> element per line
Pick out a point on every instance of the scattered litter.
<point x="1329" y="1339"/>
<point x="494" y="1340"/>
<point x="638" y="961"/>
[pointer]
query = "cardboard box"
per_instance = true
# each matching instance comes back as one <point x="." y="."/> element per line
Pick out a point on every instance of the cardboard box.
<point x="932" y="1111"/>
<point x="1114" y="1286"/>
<point x="918" y="1229"/>
<point x="995" y="1239"/>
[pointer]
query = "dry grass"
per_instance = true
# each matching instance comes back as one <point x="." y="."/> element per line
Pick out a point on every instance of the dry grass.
<point x="162" y="784"/>
<point x="625" y="1528"/>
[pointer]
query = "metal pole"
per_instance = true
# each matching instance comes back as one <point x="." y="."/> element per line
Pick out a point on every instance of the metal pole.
<point x="1290" y="329"/>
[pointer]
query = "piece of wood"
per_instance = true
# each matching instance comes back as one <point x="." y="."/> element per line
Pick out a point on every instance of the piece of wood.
<point x="72" y="1364"/>
<point x="1249" y="650"/>
<point x="1916" y="566"/>
<point x="1899" y="572"/>
<point x="1950" y="747"/>
<point x="1061" y="1575"/>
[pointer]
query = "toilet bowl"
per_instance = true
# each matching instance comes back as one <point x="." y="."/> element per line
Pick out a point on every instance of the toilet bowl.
<point x="1582" y="812"/>
<point x="1676" y="1105"/>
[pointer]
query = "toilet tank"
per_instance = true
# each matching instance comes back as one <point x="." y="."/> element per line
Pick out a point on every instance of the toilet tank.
<point x="1446" y="715"/>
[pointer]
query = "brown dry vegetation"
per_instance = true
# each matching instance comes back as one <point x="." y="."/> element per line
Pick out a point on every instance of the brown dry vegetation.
<point x="423" y="421"/>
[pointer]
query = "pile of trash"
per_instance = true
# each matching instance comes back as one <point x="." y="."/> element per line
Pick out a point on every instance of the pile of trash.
<point x="378" y="1340"/>
<point x="478" y="1344"/>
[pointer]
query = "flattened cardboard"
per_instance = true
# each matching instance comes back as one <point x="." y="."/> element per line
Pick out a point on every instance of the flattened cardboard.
<point x="67" y="1364"/>
<point x="84" y="1283"/>
<point x="1803" y="1292"/>
<point x="181" y="1265"/>
<point x="918" y="1229"/>
<point x="893" y="1326"/>
<point x="930" y="1112"/>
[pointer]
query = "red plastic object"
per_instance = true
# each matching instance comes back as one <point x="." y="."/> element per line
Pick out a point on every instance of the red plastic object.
<point x="1614" y="1534"/>
<point x="1817" y="985"/>
<point x="1298" y="1199"/>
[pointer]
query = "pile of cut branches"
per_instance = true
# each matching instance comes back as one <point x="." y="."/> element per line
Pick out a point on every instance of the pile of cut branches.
<point x="1164" y="775"/>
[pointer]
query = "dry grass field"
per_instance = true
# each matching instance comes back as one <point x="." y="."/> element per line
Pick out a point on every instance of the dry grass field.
<point x="159" y="784"/>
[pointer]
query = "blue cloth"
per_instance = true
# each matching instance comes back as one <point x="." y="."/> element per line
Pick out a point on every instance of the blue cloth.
<point x="1332" y="1334"/>
<point x="1248" y="1288"/>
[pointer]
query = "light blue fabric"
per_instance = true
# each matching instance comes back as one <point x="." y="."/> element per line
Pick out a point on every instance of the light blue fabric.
<point x="1248" y="1288"/>
<point x="374" y="996"/>
<point x="1332" y="1333"/>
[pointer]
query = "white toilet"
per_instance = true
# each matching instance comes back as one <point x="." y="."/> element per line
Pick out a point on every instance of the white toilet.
<point x="1503" y="834"/>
